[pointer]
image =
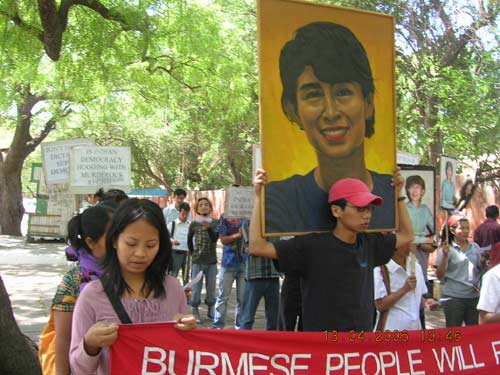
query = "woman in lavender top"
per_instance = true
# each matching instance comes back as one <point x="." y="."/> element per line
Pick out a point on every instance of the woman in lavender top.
<point x="138" y="251"/>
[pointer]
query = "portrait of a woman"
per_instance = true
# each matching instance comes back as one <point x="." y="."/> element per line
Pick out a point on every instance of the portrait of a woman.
<point x="328" y="91"/>
<point x="448" y="188"/>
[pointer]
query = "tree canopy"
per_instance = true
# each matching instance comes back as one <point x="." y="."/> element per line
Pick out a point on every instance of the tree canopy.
<point x="177" y="81"/>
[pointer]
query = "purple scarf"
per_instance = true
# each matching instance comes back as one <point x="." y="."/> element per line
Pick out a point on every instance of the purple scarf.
<point x="89" y="270"/>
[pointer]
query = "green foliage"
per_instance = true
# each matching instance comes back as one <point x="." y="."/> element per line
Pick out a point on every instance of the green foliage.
<point x="177" y="82"/>
<point x="447" y="71"/>
<point x="178" y="85"/>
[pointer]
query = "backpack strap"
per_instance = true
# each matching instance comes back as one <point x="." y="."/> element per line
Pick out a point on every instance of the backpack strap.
<point x="387" y="282"/>
<point x="115" y="300"/>
<point x="173" y="229"/>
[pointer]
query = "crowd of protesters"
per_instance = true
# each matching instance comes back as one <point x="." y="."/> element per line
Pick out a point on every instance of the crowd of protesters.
<point x="128" y="250"/>
<point x="339" y="277"/>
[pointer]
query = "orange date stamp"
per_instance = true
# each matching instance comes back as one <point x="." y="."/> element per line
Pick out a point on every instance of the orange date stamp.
<point x="394" y="336"/>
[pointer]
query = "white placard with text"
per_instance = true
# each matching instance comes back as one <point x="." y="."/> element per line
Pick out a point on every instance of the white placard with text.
<point x="96" y="167"/>
<point x="55" y="157"/>
<point x="239" y="202"/>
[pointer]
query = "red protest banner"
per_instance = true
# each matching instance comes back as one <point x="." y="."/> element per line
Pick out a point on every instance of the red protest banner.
<point x="159" y="348"/>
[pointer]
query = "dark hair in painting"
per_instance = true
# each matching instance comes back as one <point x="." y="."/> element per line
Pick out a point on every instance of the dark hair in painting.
<point x="335" y="55"/>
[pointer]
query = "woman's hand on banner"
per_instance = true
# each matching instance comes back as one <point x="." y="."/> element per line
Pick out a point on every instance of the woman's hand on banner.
<point x="185" y="322"/>
<point x="101" y="335"/>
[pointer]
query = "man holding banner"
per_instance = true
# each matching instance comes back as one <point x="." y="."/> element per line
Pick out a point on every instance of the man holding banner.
<point x="336" y="268"/>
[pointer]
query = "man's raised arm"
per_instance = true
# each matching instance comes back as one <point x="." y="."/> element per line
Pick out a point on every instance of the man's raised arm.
<point x="258" y="246"/>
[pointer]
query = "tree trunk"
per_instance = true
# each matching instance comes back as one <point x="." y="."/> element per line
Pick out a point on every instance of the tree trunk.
<point x="11" y="201"/>
<point x="12" y="161"/>
<point x="235" y="171"/>
<point x="436" y="136"/>
<point x="17" y="354"/>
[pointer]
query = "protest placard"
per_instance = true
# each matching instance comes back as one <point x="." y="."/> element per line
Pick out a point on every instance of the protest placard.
<point x="239" y="202"/>
<point x="407" y="158"/>
<point x="92" y="168"/>
<point x="55" y="156"/>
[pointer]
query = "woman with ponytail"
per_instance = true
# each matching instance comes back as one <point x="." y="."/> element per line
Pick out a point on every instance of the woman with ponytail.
<point x="86" y="240"/>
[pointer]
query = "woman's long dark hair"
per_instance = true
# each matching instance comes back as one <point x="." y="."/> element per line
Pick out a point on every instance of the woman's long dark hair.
<point x="465" y="197"/>
<point x="130" y="211"/>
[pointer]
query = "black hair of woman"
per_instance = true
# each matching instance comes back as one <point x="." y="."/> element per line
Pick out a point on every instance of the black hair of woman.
<point x="335" y="55"/>
<point x="91" y="223"/>
<point x="99" y="194"/>
<point x="116" y="195"/>
<point x="465" y="197"/>
<point x="130" y="211"/>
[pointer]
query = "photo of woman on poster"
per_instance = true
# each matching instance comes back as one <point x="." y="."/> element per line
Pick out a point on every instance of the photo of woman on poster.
<point x="448" y="168"/>
<point x="420" y="213"/>
<point x="328" y="91"/>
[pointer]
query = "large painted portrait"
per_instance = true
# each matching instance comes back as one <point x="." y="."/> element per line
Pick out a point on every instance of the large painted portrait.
<point x="327" y="111"/>
<point x="448" y="175"/>
<point x="420" y="193"/>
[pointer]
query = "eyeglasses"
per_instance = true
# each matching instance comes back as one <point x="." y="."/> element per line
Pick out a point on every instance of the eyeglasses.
<point x="368" y="208"/>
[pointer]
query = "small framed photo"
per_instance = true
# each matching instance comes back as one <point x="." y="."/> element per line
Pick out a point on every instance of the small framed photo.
<point x="420" y="199"/>
<point x="447" y="181"/>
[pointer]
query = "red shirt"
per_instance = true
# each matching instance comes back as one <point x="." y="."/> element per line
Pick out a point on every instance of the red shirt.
<point x="488" y="233"/>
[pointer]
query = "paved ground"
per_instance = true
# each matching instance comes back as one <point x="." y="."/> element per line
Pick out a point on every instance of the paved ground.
<point x="31" y="273"/>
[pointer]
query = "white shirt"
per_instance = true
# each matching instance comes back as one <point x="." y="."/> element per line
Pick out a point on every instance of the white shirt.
<point x="180" y="234"/>
<point x="170" y="213"/>
<point x="405" y="313"/>
<point x="489" y="299"/>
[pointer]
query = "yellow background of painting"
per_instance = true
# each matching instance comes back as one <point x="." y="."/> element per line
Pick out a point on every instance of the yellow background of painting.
<point x="285" y="149"/>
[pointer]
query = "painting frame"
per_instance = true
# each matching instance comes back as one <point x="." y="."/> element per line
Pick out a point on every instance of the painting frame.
<point x="428" y="175"/>
<point x="288" y="152"/>
<point x="447" y="183"/>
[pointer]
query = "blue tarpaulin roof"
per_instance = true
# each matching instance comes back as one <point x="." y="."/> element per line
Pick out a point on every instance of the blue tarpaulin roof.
<point x="148" y="192"/>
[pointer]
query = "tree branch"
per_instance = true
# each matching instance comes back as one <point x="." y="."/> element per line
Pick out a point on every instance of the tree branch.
<point x="485" y="18"/>
<point x="55" y="20"/>
<point x="448" y="27"/>
<point x="110" y="15"/>
<point x="53" y="25"/>
<point x="14" y="17"/>
<point x="144" y="163"/>
<point x="169" y="72"/>
<point x="47" y="128"/>
<point x="24" y="103"/>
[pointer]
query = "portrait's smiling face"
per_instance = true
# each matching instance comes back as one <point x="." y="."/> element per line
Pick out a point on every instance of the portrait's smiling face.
<point x="416" y="192"/>
<point x="333" y="116"/>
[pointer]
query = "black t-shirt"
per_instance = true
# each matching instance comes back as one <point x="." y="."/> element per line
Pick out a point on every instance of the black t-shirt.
<point x="336" y="277"/>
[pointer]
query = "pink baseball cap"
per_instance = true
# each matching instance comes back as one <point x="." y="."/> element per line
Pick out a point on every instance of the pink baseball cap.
<point x="353" y="191"/>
